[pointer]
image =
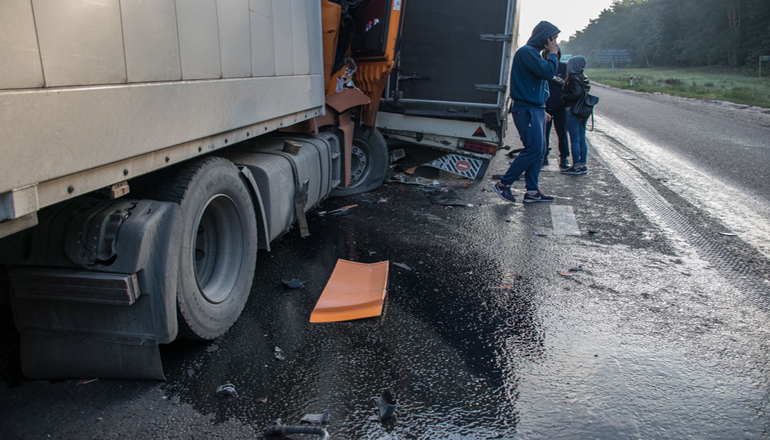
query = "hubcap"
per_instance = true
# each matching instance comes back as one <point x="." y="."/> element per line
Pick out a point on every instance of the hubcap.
<point x="218" y="248"/>
<point x="359" y="162"/>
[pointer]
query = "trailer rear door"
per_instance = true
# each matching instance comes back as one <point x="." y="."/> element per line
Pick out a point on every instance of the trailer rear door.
<point x="454" y="63"/>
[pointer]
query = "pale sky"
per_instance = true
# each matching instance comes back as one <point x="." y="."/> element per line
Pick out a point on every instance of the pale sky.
<point x="568" y="15"/>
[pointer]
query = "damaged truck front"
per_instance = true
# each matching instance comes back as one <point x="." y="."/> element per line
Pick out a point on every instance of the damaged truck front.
<point x="150" y="148"/>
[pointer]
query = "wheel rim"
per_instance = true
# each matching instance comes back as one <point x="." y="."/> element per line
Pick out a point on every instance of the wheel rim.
<point x="359" y="163"/>
<point x="218" y="248"/>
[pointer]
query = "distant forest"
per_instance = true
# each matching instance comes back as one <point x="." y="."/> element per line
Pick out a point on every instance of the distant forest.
<point x="678" y="33"/>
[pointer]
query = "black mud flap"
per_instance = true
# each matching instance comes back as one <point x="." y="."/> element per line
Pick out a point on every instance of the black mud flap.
<point x="93" y="289"/>
<point x="47" y="355"/>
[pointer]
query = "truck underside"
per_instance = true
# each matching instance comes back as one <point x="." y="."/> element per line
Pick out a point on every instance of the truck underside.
<point x="152" y="192"/>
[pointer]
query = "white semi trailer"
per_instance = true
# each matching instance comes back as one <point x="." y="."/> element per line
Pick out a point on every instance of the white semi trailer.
<point x="151" y="147"/>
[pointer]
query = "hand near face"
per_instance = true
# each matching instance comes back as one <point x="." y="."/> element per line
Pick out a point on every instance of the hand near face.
<point x="551" y="46"/>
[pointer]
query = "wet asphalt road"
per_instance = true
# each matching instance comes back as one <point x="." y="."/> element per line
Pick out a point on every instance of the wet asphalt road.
<point x="502" y="328"/>
<point x="729" y="140"/>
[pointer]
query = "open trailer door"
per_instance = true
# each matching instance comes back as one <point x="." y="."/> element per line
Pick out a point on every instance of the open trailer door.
<point x="450" y="87"/>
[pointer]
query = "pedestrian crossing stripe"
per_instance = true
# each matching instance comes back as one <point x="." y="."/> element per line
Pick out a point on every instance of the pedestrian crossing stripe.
<point x="464" y="166"/>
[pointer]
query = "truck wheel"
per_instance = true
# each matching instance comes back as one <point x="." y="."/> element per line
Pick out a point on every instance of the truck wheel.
<point x="369" y="162"/>
<point x="219" y="246"/>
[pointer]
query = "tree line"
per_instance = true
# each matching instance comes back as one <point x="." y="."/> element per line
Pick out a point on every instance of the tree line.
<point x="678" y="33"/>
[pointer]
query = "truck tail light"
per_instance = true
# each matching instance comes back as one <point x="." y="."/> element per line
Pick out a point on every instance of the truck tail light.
<point x="479" y="147"/>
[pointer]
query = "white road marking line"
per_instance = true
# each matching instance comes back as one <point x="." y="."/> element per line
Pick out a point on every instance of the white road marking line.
<point x="563" y="219"/>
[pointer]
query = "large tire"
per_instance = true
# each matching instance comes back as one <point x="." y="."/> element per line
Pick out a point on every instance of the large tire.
<point x="369" y="162"/>
<point x="219" y="245"/>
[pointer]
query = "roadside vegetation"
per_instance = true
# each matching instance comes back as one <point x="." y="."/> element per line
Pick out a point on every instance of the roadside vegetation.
<point x="708" y="49"/>
<point x="702" y="83"/>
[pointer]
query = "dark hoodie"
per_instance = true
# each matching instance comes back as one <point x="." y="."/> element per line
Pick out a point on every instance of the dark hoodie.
<point x="530" y="72"/>
<point x="577" y="82"/>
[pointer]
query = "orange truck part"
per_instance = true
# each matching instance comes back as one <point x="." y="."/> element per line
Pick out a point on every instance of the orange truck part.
<point x="354" y="291"/>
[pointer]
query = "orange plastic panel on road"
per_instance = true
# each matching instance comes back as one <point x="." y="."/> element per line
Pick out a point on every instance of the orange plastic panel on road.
<point x="354" y="291"/>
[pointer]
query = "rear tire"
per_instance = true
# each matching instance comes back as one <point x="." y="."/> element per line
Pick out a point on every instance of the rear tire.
<point x="369" y="162"/>
<point x="219" y="245"/>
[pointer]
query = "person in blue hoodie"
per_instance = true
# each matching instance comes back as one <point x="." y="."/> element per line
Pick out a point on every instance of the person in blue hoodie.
<point x="529" y="89"/>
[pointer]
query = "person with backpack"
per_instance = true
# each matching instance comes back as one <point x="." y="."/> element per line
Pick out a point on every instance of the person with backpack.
<point x="576" y="88"/>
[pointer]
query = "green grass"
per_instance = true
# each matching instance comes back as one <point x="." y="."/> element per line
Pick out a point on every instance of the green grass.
<point x="709" y="84"/>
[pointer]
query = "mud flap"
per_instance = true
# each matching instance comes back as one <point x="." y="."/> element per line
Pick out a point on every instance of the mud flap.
<point x="97" y="307"/>
<point x="50" y="355"/>
<point x="461" y="165"/>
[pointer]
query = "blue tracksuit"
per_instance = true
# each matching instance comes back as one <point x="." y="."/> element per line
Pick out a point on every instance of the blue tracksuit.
<point x="529" y="89"/>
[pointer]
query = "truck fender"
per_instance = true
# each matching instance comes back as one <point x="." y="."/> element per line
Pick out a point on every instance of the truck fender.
<point x="262" y="223"/>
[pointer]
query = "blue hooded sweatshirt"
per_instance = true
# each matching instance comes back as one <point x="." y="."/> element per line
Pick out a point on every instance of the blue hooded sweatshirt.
<point x="530" y="72"/>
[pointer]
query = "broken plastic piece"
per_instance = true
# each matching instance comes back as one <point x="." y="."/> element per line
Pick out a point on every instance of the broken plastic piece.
<point x="402" y="266"/>
<point x="387" y="405"/>
<point x="564" y="274"/>
<point x="316" y="419"/>
<point x="424" y="181"/>
<point x="294" y="283"/>
<point x="278" y="354"/>
<point x="226" y="390"/>
<point x="344" y="208"/>
<point x="276" y="428"/>
<point x="354" y="291"/>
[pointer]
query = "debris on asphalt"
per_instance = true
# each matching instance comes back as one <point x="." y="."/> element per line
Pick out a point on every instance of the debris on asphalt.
<point x="227" y="390"/>
<point x="537" y="234"/>
<point x="387" y="405"/>
<point x="402" y="266"/>
<point x="565" y="274"/>
<point x="277" y="428"/>
<point x="316" y="419"/>
<point x="354" y="291"/>
<point x="294" y="283"/>
<point x="576" y="269"/>
<point x="728" y="234"/>
<point x="278" y="354"/>
<point x="446" y="196"/>
<point x="343" y="209"/>
<point x="421" y="181"/>
<point x="425" y="181"/>
<point x="261" y="400"/>
<point x="509" y="286"/>
<point x="87" y="381"/>
<point x="382" y="200"/>
<point x="592" y="232"/>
